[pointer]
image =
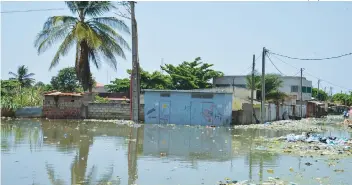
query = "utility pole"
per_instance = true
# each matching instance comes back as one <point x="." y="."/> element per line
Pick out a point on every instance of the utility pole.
<point x="316" y="111"/>
<point x="262" y="113"/>
<point x="301" y="99"/>
<point x="318" y="89"/>
<point x="135" y="87"/>
<point x="252" y="89"/>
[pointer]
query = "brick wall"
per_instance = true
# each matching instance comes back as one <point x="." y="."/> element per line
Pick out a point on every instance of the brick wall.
<point x="66" y="107"/>
<point x="111" y="111"/>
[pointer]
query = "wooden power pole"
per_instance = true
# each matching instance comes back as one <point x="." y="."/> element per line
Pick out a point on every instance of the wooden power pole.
<point x="135" y="76"/>
<point x="301" y="99"/>
<point x="252" y="88"/>
<point x="262" y="113"/>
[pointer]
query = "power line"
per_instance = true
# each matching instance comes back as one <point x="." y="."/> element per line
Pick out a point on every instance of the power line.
<point x="251" y="64"/>
<point x="34" y="10"/>
<point x="42" y="10"/>
<point x="327" y="58"/>
<point x="315" y="76"/>
<point x="275" y="65"/>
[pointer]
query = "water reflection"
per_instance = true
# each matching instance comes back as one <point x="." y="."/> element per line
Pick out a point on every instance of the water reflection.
<point x="101" y="153"/>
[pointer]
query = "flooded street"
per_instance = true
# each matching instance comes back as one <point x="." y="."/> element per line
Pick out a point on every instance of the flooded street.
<point x="58" y="152"/>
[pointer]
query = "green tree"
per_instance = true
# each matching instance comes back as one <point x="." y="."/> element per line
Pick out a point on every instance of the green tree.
<point x="191" y="75"/>
<point x="94" y="37"/>
<point x="323" y="96"/>
<point x="119" y="85"/>
<point x="23" y="76"/>
<point x="66" y="80"/>
<point x="154" y="80"/>
<point x="345" y="99"/>
<point x="272" y="85"/>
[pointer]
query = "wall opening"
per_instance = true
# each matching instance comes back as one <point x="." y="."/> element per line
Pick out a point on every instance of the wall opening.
<point x="203" y="95"/>
<point x="164" y="94"/>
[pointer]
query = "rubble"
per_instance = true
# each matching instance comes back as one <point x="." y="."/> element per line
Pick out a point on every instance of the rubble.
<point x="307" y="144"/>
<point x="269" y="181"/>
<point x="312" y="125"/>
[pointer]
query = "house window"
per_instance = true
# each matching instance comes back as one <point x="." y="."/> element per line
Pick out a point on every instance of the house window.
<point x="304" y="89"/>
<point x="164" y="94"/>
<point x="222" y="85"/>
<point x="294" y="88"/>
<point x="309" y="90"/>
<point x="202" y="95"/>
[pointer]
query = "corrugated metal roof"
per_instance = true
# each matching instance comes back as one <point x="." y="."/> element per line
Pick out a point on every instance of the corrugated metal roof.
<point x="57" y="93"/>
<point x="191" y="91"/>
<point x="316" y="102"/>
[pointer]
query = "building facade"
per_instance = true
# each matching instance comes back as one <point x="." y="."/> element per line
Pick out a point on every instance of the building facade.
<point x="187" y="107"/>
<point x="59" y="105"/>
<point x="290" y="85"/>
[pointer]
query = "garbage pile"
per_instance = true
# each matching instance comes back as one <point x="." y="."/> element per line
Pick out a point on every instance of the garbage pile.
<point x="309" y="144"/>
<point x="311" y="125"/>
<point x="269" y="181"/>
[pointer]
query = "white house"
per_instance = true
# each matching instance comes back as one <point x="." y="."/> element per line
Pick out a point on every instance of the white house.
<point x="290" y="85"/>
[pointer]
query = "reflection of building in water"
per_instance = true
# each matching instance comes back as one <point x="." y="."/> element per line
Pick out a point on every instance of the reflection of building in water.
<point x="188" y="142"/>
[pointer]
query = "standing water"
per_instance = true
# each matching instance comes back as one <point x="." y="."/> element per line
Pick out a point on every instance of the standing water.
<point x="59" y="152"/>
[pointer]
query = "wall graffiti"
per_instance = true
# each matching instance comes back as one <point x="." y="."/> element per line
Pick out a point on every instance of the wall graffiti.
<point x="151" y="111"/>
<point x="212" y="113"/>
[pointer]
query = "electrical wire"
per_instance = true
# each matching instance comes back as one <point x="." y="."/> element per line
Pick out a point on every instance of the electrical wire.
<point x="251" y="65"/>
<point x="295" y="58"/>
<point x="274" y="65"/>
<point x="315" y="76"/>
<point x="38" y="10"/>
<point x="34" y="10"/>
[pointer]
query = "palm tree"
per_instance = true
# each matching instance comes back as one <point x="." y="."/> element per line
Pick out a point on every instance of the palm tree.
<point x="22" y="76"/>
<point x="272" y="85"/>
<point x="93" y="36"/>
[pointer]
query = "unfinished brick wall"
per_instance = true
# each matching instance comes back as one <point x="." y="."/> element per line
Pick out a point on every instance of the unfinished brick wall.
<point x="62" y="107"/>
<point x="111" y="111"/>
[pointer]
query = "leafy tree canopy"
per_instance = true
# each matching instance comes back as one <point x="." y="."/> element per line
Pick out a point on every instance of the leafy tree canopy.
<point x="191" y="75"/>
<point x="323" y="96"/>
<point x="188" y="75"/>
<point x="67" y="81"/>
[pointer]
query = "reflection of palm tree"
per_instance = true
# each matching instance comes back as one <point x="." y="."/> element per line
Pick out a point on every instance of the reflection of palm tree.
<point x="89" y="180"/>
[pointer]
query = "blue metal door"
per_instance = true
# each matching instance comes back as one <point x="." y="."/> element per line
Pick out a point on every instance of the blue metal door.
<point x="164" y="112"/>
<point x="207" y="113"/>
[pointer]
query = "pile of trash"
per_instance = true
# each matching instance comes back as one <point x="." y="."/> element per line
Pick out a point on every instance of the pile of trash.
<point x="311" y="125"/>
<point x="269" y="181"/>
<point x="309" y="144"/>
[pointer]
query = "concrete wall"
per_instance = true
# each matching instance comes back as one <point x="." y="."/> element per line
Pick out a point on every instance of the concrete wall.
<point x="64" y="107"/>
<point x="296" y="81"/>
<point x="244" y="116"/>
<point x="111" y="111"/>
<point x="183" y="108"/>
<point x="29" y="112"/>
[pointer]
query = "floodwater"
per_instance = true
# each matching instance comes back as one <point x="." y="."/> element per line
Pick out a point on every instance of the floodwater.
<point x="60" y="152"/>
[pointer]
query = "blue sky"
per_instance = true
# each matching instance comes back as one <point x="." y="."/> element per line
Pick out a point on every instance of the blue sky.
<point x="225" y="34"/>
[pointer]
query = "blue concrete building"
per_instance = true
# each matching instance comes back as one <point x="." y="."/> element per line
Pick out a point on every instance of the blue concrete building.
<point x="187" y="107"/>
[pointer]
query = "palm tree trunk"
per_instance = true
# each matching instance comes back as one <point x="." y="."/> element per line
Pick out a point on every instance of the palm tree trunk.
<point x="83" y="67"/>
